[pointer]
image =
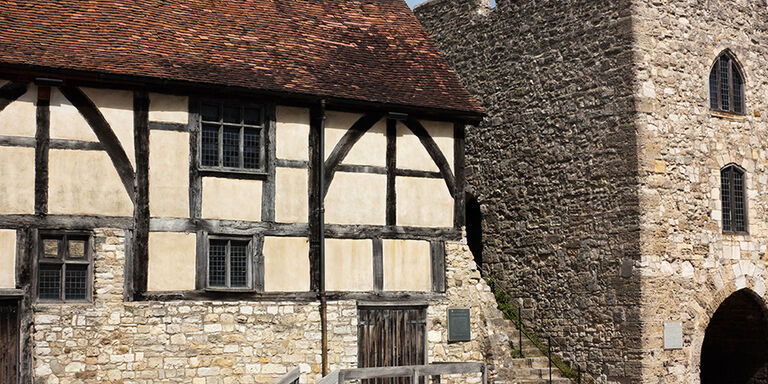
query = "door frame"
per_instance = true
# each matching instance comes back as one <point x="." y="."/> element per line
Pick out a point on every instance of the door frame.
<point x="406" y="305"/>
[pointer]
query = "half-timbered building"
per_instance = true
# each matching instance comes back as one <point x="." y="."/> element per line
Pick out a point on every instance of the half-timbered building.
<point x="220" y="191"/>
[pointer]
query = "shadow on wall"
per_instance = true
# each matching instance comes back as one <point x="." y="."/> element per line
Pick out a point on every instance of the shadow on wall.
<point x="474" y="219"/>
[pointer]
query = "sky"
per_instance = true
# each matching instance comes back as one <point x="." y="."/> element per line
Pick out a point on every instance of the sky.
<point x="414" y="2"/>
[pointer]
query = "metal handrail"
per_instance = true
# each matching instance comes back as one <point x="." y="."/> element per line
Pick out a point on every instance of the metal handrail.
<point x="548" y="352"/>
<point x="415" y="372"/>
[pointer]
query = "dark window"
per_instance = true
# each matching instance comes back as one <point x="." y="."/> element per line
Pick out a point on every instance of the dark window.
<point x="229" y="264"/>
<point x="733" y="196"/>
<point x="231" y="136"/>
<point x="726" y="85"/>
<point x="64" y="267"/>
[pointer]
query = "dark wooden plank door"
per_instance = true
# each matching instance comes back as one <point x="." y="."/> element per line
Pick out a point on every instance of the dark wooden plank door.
<point x="9" y="342"/>
<point x="391" y="336"/>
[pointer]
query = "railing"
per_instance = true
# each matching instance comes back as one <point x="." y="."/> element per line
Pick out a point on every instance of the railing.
<point x="515" y="314"/>
<point x="291" y="377"/>
<point x="415" y="372"/>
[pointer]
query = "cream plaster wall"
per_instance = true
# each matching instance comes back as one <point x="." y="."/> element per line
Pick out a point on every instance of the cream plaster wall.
<point x="371" y="149"/>
<point x="168" y="174"/>
<point x="172" y="261"/>
<point x="168" y="108"/>
<point x="348" y="265"/>
<point x="357" y="198"/>
<point x="407" y="265"/>
<point x="292" y="133"/>
<point x="423" y="202"/>
<point x="17" y="180"/>
<point x="231" y="199"/>
<point x="117" y="108"/>
<point x="411" y="153"/>
<point x="291" y="195"/>
<point x="66" y="121"/>
<point x="286" y="264"/>
<point x="85" y="183"/>
<point x="7" y="258"/>
<point x="19" y="117"/>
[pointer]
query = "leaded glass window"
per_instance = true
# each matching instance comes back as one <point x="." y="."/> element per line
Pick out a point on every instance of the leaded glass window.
<point x="231" y="136"/>
<point x="64" y="267"/>
<point x="229" y="264"/>
<point x="733" y="197"/>
<point x="726" y="85"/>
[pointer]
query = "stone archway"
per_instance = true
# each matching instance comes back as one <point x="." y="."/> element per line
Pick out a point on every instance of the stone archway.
<point x="735" y="347"/>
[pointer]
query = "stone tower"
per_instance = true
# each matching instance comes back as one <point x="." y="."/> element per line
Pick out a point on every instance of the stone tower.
<point x="602" y="170"/>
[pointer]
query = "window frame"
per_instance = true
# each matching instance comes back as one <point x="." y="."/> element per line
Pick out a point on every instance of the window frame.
<point x="263" y="145"/>
<point x="732" y="199"/>
<point x="251" y="260"/>
<point x="63" y="260"/>
<point x="733" y="68"/>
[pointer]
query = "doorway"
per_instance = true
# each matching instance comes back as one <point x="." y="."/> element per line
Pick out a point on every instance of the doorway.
<point x="736" y="341"/>
<point x="9" y="341"/>
<point x="391" y="336"/>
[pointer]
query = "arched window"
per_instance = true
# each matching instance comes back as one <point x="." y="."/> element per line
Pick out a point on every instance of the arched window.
<point x="726" y="85"/>
<point x="733" y="197"/>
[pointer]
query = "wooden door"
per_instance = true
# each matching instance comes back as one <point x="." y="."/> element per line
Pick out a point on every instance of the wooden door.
<point x="9" y="341"/>
<point x="391" y="336"/>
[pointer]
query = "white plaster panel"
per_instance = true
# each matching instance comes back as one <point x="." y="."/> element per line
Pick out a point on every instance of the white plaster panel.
<point x="357" y="198"/>
<point x="442" y="134"/>
<point x="407" y="265"/>
<point x="286" y="264"/>
<point x="19" y="117"/>
<point x="168" y="174"/>
<point x="423" y="202"/>
<point x="411" y="153"/>
<point x="172" y="261"/>
<point x="66" y="121"/>
<point x="85" y="183"/>
<point x="17" y="180"/>
<point x="168" y="108"/>
<point x="117" y="108"/>
<point x="7" y="258"/>
<point x="371" y="149"/>
<point x="291" y="195"/>
<point x="231" y="199"/>
<point x="292" y="133"/>
<point x="348" y="265"/>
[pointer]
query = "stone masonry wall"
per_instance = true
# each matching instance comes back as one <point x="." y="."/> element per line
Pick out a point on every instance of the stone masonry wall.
<point x="112" y="341"/>
<point x="554" y="165"/>
<point x="689" y="265"/>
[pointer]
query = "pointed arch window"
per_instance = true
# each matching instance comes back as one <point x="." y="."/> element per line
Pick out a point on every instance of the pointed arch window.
<point x="733" y="197"/>
<point x="726" y="85"/>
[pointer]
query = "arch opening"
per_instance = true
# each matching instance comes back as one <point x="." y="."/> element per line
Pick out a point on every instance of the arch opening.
<point x="736" y="341"/>
<point x="474" y="224"/>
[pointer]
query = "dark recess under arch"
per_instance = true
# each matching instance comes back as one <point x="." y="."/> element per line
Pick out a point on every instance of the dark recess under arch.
<point x="736" y="342"/>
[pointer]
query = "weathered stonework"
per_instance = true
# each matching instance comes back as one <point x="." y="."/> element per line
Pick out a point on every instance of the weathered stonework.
<point x="554" y="165"/>
<point x="112" y="341"/>
<point x="598" y="167"/>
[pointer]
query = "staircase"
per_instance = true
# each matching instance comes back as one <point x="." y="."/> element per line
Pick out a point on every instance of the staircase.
<point x="532" y="368"/>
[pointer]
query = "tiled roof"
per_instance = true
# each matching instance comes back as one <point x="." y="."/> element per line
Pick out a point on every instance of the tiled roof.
<point x="367" y="50"/>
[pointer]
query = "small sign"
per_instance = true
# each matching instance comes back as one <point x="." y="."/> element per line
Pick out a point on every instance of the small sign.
<point x="673" y="335"/>
<point x="459" y="325"/>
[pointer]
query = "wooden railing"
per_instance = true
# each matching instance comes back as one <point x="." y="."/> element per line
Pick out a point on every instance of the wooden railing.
<point x="413" y="371"/>
<point x="291" y="377"/>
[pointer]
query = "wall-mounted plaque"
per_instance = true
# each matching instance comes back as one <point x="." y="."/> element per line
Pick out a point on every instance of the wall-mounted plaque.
<point x="459" y="325"/>
<point x="673" y="335"/>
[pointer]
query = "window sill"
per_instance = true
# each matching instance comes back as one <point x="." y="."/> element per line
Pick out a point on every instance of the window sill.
<point x="230" y="290"/>
<point x="727" y="115"/>
<point x="730" y="233"/>
<point x="233" y="173"/>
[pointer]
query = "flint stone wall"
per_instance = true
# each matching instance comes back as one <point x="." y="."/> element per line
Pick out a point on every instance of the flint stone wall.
<point x="112" y="341"/>
<point x="554" y="164"/>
